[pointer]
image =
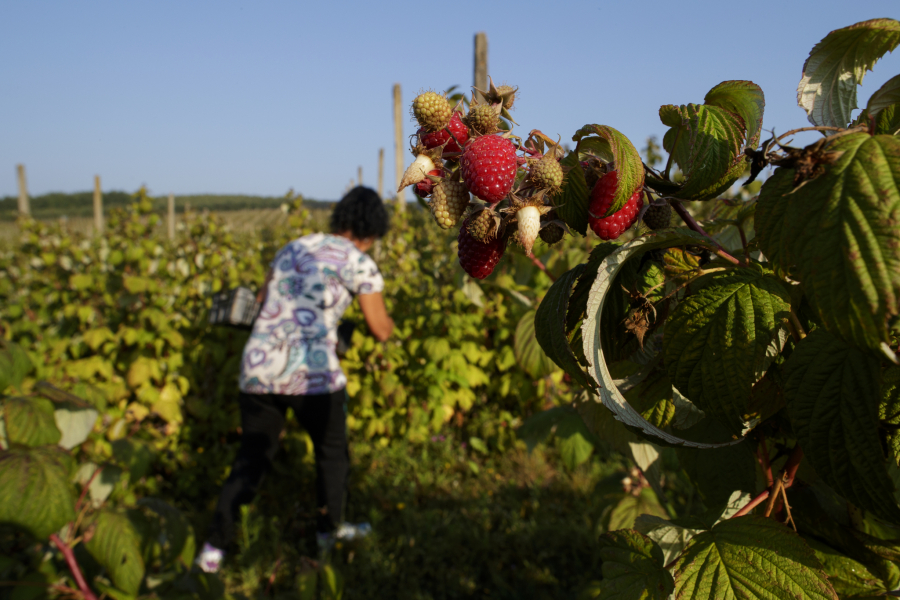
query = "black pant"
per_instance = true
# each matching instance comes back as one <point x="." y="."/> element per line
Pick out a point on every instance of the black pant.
<point x="262" y="420"/>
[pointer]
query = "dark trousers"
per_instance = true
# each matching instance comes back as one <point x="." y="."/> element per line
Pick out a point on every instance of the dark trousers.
<point x="262" y="421"/>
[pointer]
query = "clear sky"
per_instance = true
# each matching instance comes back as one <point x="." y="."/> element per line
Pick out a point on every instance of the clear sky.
<point x="258" y="97"/>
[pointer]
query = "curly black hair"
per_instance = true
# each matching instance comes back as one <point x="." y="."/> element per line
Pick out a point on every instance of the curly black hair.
<point x="361" y="212"/>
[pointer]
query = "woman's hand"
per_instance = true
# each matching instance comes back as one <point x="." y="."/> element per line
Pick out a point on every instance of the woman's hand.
<point x="380" y="324"/>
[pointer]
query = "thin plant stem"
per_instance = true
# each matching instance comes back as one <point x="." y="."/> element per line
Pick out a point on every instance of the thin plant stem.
<point x="73" y="567"/>
<point x="691" y="222"/>
<point x="540" y="265"/>
<point x="763" y="455"/>
<point x="810" y="128"/>
<point x="740" y="229"/>
<point x="796" y="322"/>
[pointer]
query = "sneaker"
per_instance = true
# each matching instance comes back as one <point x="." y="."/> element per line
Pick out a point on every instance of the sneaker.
<point x="210" y="558"/>
<point x="345" y="532"/>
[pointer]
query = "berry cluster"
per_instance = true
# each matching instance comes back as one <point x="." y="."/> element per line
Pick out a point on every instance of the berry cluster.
<point x="462" y="153"/>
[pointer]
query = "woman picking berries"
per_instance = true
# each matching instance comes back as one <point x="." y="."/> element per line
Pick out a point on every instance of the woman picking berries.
<point x="290" y="361"/>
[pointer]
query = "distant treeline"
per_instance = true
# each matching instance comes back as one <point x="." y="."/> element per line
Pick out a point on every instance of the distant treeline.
<point x="81" y="204"/>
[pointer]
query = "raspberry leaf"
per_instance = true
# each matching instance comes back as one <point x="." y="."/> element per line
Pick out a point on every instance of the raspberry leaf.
<point x="572" y="202"/>
<point x="743" y="98"/>
<point x="529" y="354"/>
<point x="594" y="351"/>
<point x="116" y="545"/>
<point x="29" y="421"/>
<point x="832" y="392"/>
<point x="851" y="579"/>
<point x="633" y="567"/>
<point x="722" y="339"/>
<point x="707" y="142"/>
<point x="887" y="95"/>
<point x="889" y="410"/>
<point x="550" y="330"/>
<point x="627" y="161"/>
<point x="837" y="65"/>
<point x="840" y="232"/>
<point x="27" y="474"/>
<point x="750" y="557"/>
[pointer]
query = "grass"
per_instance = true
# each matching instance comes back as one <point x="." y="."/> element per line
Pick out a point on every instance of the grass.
<point x="447" y="523"/>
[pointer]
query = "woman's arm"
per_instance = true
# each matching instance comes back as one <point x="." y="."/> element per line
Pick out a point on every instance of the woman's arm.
<point x="380" y="324"/>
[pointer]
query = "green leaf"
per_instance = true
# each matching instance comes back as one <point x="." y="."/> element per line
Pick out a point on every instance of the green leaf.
<point x="750" y="557"/>
<point x="887" y="95"/>
<point x="116" y="545"/>
<point x="572" y="203"/>
<point x="550" y="327"/>
<point x="743" y="98"/>
<point x="889" y="410"/>
<point x="528" y="352"/>
<point x="134" y="455"/>
<point x="591" y="330"/>
<point x="29" y="421"/>
<point x="837" y="64"/>
<point x="75" y="423"/>
<point x="579" y="298"/>
<point x="888" y="120"/>
<point x="832" y="393"/>
<point x="627" y="161"/>
<point x="14" y="364"/>
<point x="850" y="578"/>
<point x="630" y="507"/>
<point x="710" y="144"/>
<point x="717" y="472"/>
<point x="36" y="473"/>
<point x="670" y="538"/>
<point x="102" y="484"/>
<point x="721" y="340"/>
<point x="575" y="441"/>
<point x="633" y="567"/>
<point x="840" y="232"/>
<point x="653" y="398"/>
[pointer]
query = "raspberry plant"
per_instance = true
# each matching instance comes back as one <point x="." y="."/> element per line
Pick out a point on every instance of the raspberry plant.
<point x="763" y="355"/>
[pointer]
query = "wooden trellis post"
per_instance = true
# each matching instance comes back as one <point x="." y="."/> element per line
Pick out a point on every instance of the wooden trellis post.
<point x="24" y="205"/>
<point x="98" y="207"/>
<point x="481" y="66"/>
<point x="359" y="176"/>
<point x="381" y="172"/>
<point x="398" y="145"/>
<point x="171" y="216"/>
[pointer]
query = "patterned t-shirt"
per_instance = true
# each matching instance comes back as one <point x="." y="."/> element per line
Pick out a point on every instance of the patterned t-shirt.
<point x="292" y="347"/>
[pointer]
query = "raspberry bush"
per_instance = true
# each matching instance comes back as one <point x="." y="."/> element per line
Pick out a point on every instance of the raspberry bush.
<point x="762" y="356"/>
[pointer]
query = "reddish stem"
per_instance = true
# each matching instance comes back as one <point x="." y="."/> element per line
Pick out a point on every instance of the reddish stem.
<point x="73" y="566"/>
<point x="790" y="471"/>
<point x="691" y="222"/>
<point x="752" y="504"/>
<point x="87" y="486"/>
<point x="763" y="454"/>
<point x="537" y="262"/>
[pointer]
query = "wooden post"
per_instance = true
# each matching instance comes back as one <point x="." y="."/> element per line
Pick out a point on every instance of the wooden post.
<point x="98" y="207"/>
<point x="481" y="57"/>
<point x="359" y="175"/>
<point x="381" y="172"/>
<point x="24" y="206"/>
<point x="171" y="216"/>
<point x="398" y="145"/>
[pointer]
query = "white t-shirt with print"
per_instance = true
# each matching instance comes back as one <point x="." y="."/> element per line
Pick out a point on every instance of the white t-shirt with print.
<point x="292" y="347"/>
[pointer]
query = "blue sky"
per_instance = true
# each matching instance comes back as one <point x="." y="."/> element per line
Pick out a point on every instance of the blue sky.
<point x="259" y="97"/>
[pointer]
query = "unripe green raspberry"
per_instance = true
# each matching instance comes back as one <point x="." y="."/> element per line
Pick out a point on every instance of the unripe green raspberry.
<point x="482" y="119"/>
<point x="432" y="111"/>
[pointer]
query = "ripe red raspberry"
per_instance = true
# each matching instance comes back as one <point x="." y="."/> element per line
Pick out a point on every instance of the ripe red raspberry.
<point x="424" y="188"/>
<point x="478" y="259"/>
<point x="435" y="139"/>
<point x="611" y="227"/>
<point x="488" y="165"/>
